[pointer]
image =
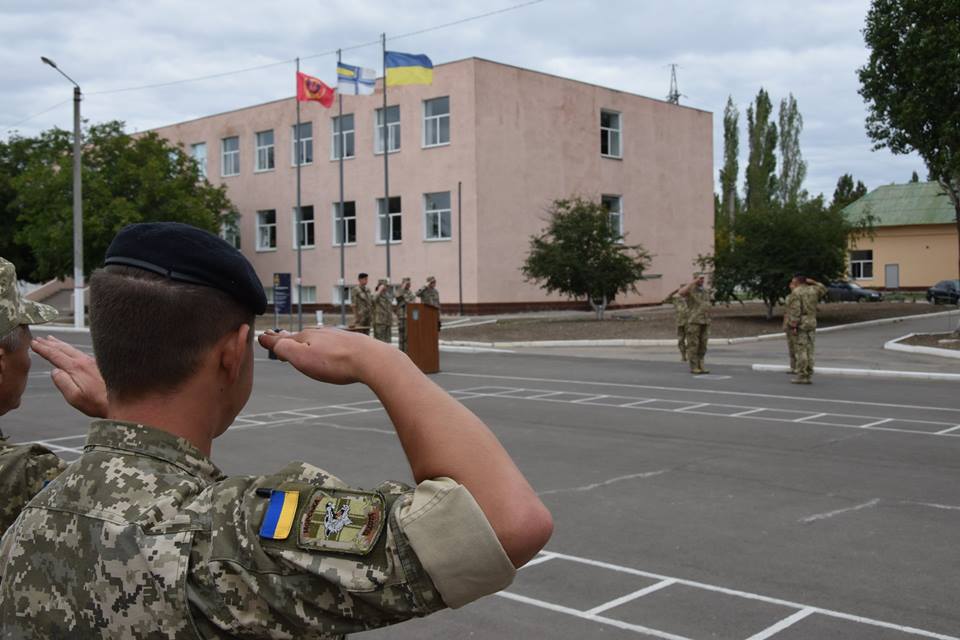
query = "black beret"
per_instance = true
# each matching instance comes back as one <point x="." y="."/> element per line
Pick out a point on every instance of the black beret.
<point x="362" y="275"/>
<point x="188" y="254"/>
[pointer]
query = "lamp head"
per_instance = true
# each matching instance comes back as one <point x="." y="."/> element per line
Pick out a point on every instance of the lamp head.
<point x="48" y="61"/>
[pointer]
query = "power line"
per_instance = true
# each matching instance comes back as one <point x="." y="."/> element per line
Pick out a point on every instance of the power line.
<point x="39" y="113"/>
<point x="318" y="55"/>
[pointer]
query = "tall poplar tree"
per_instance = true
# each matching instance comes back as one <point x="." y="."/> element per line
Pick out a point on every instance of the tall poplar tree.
<point x="731" y="163"/>
<point x="793" y="169"/>
<point x="761" y="179"/>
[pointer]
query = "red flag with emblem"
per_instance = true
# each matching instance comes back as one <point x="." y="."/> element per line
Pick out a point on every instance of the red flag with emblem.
<point x="310" y="88"/>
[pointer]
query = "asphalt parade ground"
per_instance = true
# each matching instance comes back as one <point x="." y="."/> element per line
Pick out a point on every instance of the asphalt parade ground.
<point x="733" y="505"/>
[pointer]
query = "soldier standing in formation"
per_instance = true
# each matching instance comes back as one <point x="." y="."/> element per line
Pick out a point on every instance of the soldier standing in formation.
<point x="362" y="303"/>
<point x="429" y="294"/>
<point x="24" y="469"/>
<point x="383" y="312"/>
<point x="698" y="322"/>
<point x="680" y="310"/>
<point x="807" y="294"/>
<point x="404" y="297"/>
<point x="791" y="320"/>
<point x="143" y="536"/>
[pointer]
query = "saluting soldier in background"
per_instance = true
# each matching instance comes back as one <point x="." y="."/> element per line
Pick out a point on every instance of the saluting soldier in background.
<point x="383" y="312"/>
<point x="791" y="320"/>
<point x="23" y="468"/>
<point x="362" y="302"/>
<point x="404" y="297"/>
<point x="144" y="537"/>
<point x="698" y="322"/>
<point x="429" y="294"/>
<point x="680" y="310"/>
<point x="810" y="292"/>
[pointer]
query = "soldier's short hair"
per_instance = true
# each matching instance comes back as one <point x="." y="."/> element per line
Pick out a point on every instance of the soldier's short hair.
<point x="149" y="332"/>
<point x="362" y="275"/>
<point x="13" y="339"/>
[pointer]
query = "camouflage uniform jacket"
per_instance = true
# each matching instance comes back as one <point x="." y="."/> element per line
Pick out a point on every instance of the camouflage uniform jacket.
<point x="383" y="310"/>
<point x="404" y="297"/>
<point x="680" y="309"/>
<point x="698" y="306"/>
<point x="143" y="537"/>
<point x="429" y="296"/>
<point x="362" y="302"/>
<point x="24" y="469"/>
<point x="792" y="309"/>
<point x="810" y="295"/>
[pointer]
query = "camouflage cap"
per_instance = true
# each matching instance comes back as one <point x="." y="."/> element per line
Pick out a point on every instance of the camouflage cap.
<point x="382" y="281"/>
<point x="431" y="279"/>
<point x="14" y="310"/>
<point x="405" y="281"/>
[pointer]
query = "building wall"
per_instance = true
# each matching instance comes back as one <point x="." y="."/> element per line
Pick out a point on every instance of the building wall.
<point x="413" y="171"/>
<point x="539" y="140"/>
<point x="926" y="254"/>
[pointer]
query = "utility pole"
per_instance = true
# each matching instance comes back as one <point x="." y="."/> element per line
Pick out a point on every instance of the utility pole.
<point x="674" y="96"/>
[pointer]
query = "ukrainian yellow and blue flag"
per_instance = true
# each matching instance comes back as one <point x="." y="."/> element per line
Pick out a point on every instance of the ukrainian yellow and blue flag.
<point x="407" y="68"/>
<point x="278" y="520"/>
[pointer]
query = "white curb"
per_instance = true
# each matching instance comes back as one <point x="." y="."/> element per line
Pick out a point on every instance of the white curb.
<point x="868" y="373"/>
<point x="894" y="345"/>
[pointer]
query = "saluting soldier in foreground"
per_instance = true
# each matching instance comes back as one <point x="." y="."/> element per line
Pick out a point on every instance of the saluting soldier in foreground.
<point x="362" y="302"/>
<point x="383" y="312"/>
<point x="698" y="323"/>
<point x="24" y="469"/>
<point x="791" y="320"/>
<point x="144" y="537"/>
<point x="404" y="297"/>
<point x="680" y="311"/>
<point x="809" y="292"/>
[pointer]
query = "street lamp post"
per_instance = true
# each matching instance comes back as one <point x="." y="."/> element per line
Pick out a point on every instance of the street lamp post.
<point x="78" y="306"/>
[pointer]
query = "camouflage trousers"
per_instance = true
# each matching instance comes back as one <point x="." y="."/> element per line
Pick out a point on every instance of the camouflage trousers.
<point x="402" y="334"/>
<point x="383" y="332"/>
<point x="804" y="353"/>
<point x="792" y="348"/>
<point x="696" y="342"/>
<point x="682" y="341"/>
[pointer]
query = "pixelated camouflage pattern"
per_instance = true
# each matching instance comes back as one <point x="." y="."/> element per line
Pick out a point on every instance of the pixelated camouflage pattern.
<point x="143" y="537"/>
<point x="792" y="309"/>
<point x="698" y="306"/>
<point x="810" y="295"/>
<point x="404" y="297"/>
<point x="383" y="315"/>
<point x="14" y="310"/>
<point x="24" y="469"/>
<point x="362" y="301"/>
<point x="680" y="310"/>
<point x="429" y="296"/>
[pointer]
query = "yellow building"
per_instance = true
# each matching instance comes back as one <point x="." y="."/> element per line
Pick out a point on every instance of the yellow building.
<point x="915" y="240"/>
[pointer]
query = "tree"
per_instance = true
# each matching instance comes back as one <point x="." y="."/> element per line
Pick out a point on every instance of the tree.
<point x="914" y="177"/>
<point x="910" y="85"/>
<point x="14" y="156"/>
<point x="126" y="179"/>
<point x="581" y="254"/>
<point x="761" y="179"/>
<point x="846" y="192"/>
<point x="771" y="245"/>
<point x="793" y="169"/>
<point x="731" y="164"/>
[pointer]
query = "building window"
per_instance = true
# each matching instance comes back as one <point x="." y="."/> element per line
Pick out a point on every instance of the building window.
<point x="266" y="230"/>
<point x="306" y="143"/>
<point x="861" y="264"/>
<point x="199" y="152"/>
<point x="309" y="294"/>
<point x="230" y="232"/>
<point x="341" y="294"/>
<point x="230" y="163"/>
<point x="349" y="221"/>
<point x="342" y="136"/>
<point x="265" y="161"/>
<point x="396" y="232"/>
<point x="393" y="130"/>
<point x="306" y="227"/>
<point x="610" y="134"/>
<point x="436" y="122"/>
<point x="436" y="208"/>
<point x="614" y="204"/>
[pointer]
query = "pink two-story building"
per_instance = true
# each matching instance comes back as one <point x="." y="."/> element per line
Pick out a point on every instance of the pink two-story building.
<point x="475" y="160"/>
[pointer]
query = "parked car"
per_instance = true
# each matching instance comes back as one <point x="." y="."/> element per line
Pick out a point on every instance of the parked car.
<point x="944" y="292"/>
<point x="848" y="291"/>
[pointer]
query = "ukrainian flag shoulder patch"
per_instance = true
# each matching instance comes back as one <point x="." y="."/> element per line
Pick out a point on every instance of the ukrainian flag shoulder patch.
<point x="278" y="519"/>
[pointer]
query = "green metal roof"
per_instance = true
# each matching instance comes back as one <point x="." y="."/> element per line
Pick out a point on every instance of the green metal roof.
<point x="903" y="204"/>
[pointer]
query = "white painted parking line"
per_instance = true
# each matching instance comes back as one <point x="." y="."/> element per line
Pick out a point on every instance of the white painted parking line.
<point x="57" y="448"/>
<point x="589" y="399"/>
<point x="875" y="423"/>
<point x="692" y="407"/>
<point x="810" y="417"/>
<point x="746" y="413"/>
<point x="803" y="610"/>
<point x="630" y="596"/>
<point x="713" y="391"/>
<point x="950" y="430"/>
<point x="639" y="402"/>
<point x="783" y="624"/>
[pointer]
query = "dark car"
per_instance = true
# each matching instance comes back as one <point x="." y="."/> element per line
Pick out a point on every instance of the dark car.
<point x="848" y="291"/>
<point x="944" y="292"/>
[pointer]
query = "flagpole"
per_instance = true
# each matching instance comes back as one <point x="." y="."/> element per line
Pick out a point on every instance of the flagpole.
<point x="297" y="230"/>
<point x="343" y="220"/>
<point x="386" y="155"/>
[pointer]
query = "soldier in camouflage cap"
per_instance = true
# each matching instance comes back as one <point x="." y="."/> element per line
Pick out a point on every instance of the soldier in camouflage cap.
<point x="404" y="297"/>
<point x="429" y="294"/>
<point x="23" y="468"/>
<point x="383" y="312"/>
<point x="144" y="537"/>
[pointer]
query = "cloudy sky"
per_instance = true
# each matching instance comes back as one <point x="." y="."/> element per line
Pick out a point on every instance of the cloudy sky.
<point x="811" y="48"/>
